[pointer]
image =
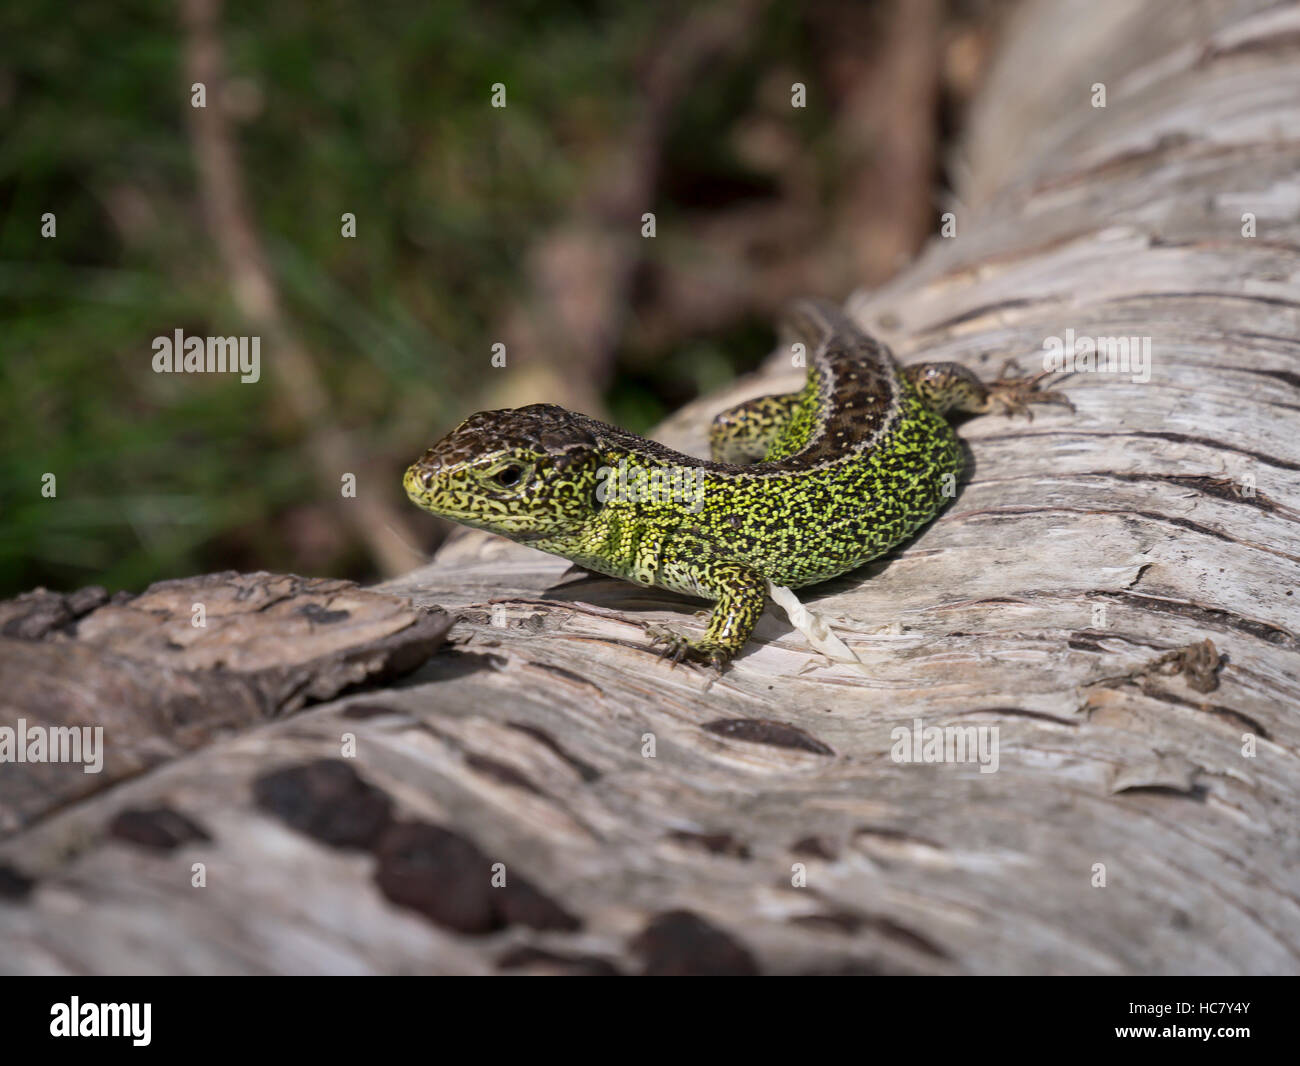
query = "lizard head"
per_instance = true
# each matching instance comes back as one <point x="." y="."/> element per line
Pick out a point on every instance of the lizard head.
<point x="527" y="473"/>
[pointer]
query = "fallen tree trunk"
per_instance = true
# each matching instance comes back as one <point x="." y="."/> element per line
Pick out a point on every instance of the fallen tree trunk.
<point x="545" y="794"/>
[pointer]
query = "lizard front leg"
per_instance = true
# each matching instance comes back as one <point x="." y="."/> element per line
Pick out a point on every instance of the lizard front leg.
<point x="741" y="594"/>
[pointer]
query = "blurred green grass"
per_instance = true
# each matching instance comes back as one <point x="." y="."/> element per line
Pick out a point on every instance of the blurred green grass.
<point x="378" y="109"/>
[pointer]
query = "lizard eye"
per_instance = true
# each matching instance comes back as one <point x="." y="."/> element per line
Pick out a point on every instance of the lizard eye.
<point x="508" y="476"/>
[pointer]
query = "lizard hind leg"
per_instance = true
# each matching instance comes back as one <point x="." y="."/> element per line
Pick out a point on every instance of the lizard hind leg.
<point x="748" y="432"/>
<point x="949" y="387"/>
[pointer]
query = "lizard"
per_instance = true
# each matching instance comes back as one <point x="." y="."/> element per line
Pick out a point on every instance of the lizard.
<point x="801" y="487"/>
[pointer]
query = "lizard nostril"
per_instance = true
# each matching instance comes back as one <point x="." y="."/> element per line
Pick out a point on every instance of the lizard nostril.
<point x="426" y="479"/>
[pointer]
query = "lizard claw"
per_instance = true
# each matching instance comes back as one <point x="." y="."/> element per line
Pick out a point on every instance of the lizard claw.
<point x="678" y="648"/>
<point x="675" y="645"/>
<point x="1016" y="393"/>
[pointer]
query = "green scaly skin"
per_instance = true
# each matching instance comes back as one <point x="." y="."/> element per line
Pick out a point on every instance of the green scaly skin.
<point x="802" y="487"/>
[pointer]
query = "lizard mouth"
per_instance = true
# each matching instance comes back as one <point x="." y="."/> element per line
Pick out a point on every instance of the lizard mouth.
<point x="434" y="493"/>
<point x="417" y="483"/>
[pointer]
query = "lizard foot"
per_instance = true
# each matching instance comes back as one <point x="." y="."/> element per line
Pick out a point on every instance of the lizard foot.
<point x="678" y="648"/>
<point x="1016" y="393"/>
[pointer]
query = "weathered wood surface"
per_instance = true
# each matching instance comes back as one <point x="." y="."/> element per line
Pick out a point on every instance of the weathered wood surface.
<point x="1050" y="601"/>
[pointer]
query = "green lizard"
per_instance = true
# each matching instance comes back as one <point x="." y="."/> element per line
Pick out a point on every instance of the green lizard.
<point x="802" y="487"/>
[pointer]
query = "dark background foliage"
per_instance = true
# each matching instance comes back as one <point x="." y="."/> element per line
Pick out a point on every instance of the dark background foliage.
<point x="469" y="220"/>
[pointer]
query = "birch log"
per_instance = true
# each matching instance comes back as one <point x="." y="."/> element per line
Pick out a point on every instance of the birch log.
<point x="1112" y="596"/>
